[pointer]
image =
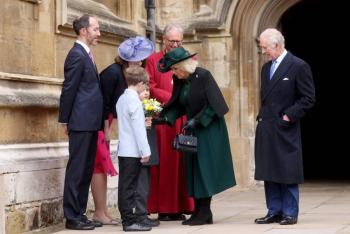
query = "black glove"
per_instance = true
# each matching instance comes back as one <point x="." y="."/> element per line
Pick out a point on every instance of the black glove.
<point x="159" y="120"/>
<point x="191" y="124"/>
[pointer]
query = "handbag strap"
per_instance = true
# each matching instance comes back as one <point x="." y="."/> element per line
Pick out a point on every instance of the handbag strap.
<point x="183" y="131"/>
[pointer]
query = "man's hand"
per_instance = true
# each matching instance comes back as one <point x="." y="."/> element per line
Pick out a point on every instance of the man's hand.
<point x="286" y="118"/>
<point x="145" y="159"/>
<point x="65" y="128"/>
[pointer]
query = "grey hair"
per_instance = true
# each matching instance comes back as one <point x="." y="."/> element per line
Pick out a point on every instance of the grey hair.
<point x="189" y="65"/>
<point x="273" y="36"/>
<point x="172" y="26"/>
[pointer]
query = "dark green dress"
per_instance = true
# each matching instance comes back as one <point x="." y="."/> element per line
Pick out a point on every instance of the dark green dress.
<point x="210" y="170"/>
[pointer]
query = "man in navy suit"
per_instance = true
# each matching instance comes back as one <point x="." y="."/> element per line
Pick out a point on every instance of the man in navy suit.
<point x="80" y="113"/>
<point x="287" y="93"/>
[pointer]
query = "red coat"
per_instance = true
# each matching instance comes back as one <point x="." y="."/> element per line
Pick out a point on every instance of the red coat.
<point x="168" y="182"/>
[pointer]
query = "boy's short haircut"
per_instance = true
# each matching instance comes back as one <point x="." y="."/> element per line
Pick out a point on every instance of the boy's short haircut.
<point x="135" y="75"/>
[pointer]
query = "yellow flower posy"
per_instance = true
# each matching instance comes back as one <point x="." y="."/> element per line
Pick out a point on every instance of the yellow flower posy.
<point x="151" y="107"/>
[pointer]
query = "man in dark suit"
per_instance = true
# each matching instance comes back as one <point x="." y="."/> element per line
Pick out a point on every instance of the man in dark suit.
<point x="80" y="112"/>
<point x="287" y="92"/>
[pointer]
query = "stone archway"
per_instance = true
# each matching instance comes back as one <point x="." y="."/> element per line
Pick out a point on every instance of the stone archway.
<point x="313" y="35"/>
<point x="248" y="20"/>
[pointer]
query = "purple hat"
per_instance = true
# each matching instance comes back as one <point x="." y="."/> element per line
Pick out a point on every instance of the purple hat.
<point x="135" y="49"/>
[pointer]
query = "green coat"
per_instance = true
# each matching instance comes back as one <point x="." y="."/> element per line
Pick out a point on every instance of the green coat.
<point x="210" y="170"/>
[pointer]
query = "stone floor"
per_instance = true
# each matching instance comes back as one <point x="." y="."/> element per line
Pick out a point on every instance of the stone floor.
<point x="324" y="209"/>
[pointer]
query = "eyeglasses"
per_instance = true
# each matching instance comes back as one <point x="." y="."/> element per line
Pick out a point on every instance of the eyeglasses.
<point x="172" y="42"/>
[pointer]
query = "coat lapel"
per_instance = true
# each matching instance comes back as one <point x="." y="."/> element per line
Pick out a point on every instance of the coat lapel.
<point x="279" y="73"/>
<point x="89" y="60"/>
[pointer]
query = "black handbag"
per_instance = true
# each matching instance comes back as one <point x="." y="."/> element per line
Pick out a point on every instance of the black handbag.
<point x="185" y="143"/>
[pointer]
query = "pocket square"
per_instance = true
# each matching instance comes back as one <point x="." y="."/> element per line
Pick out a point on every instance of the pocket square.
<point x="285" y="78"/>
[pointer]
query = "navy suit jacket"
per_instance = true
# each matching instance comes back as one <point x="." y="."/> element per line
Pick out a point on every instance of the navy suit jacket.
<point x="81" y="102"/>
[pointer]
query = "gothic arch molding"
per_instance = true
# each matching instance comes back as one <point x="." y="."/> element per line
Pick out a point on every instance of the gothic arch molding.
<point x="248" y="20"/>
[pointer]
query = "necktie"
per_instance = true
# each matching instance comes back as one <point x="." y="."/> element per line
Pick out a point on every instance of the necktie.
<point x="92" y="57"/>
<point x="273" y="68"/>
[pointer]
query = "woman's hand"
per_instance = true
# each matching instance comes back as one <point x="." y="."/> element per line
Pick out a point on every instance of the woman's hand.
<point x="191" y="124"/>
<point x="107" y="131"/>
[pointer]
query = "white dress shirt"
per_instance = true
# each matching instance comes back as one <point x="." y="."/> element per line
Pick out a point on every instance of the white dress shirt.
<point x="131" y="125"/>
<point x="279" y="59"/>
<point x="87" y="49"/>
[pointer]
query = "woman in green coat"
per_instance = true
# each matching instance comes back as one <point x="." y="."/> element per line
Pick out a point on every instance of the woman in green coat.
<point x="196" y="95"/>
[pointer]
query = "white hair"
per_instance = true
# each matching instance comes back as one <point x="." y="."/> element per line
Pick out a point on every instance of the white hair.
<point x="189" y="65"/>
<point x="273" y="37"/>
<point x="172" y="26"/>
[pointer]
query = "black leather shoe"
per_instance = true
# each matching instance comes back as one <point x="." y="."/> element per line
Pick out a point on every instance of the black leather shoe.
<point x="79" y="225"/>
<point x="269" y="219"/>
<point x="171" y="217"/>
<point x="201" y="220"/>
<point x="96" y="223"/>
<point x="150" y="222"/>
<point x="289" y="220"/>
<point x="188" y="221"/>
<point x="136" y="227"/>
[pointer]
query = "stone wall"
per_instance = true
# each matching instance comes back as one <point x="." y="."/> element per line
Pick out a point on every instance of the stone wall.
<point x="35" y="37"/>
<point x="31" y="182"/>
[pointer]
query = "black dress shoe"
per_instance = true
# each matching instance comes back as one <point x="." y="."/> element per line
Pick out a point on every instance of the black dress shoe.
<point x="79" y="225"/>
<point x="269" y="218"/>
<point x="96" y="223"/>
<point x="289" y="220"/>
<point x="136" y="227"/>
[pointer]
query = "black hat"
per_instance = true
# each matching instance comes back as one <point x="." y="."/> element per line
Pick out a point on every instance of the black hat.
<point x="172" y="57"/>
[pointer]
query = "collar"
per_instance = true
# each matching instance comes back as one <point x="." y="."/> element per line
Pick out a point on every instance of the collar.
<point x="132" y="92"/>
<point x="281" y="57"/>
<point x="87" y="49"/>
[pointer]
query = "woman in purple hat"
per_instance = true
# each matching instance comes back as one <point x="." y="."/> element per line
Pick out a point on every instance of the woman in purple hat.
<point x="132" y="51"/>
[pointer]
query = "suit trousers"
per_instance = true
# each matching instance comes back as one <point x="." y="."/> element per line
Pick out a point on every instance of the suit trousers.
<point x="282" y="199"/>
<point x="141" y="193"/>
<point x="129" y="170"/>
<point x="79" y="170"/>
